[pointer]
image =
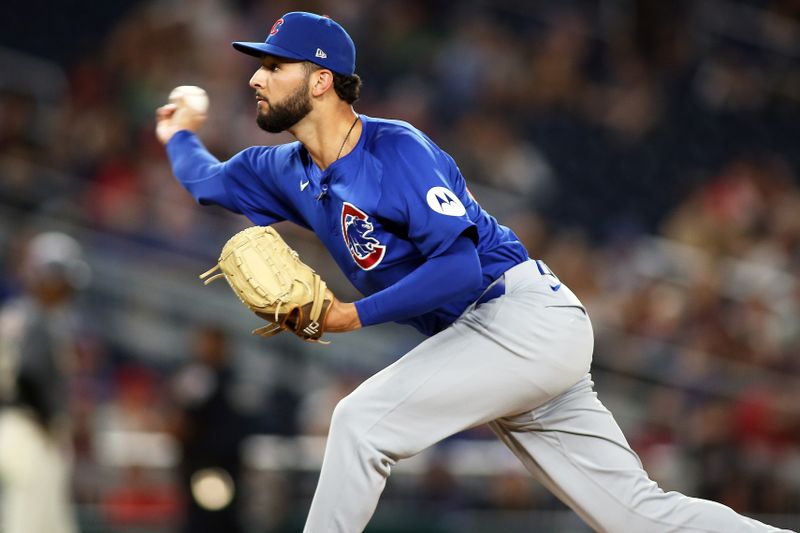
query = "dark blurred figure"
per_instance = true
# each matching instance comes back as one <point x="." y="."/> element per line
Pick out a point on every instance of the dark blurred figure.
<point x="38" y="348"/>
<point x="210" y="428"/>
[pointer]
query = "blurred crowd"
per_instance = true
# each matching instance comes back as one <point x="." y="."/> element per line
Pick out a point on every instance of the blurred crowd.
<point x="650" y="151"/>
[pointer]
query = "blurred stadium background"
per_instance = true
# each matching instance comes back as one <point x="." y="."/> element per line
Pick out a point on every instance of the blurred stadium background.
<point x="648" y="151"/>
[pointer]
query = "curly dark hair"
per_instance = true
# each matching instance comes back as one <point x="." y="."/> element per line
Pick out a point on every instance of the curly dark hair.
<point x="348" y="88"/>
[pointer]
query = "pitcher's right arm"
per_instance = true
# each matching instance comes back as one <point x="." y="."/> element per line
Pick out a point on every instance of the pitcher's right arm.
<point x="198" y="171"/>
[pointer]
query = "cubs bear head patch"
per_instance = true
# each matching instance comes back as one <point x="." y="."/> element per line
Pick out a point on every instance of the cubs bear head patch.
<point x="357" y="230"/>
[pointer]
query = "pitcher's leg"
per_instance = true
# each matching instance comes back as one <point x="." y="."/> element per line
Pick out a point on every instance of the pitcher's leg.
<point x="575" y="448"/>
<point x="457" y="379"/>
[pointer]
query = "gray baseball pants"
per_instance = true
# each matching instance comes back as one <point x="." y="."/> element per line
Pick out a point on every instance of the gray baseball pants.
<point x="521" y="363"/>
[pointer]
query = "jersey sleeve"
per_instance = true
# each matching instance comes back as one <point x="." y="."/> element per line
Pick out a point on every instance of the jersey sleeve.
<point x="250" y="183"/>
<point x="198" y="171"/>
<point x="244" y="184"/>
<point x="457" y="271"/>
<point x="427" y="192"/>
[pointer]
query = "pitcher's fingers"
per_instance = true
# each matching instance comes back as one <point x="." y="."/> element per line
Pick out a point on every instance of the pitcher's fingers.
<point x="166" y="111"/>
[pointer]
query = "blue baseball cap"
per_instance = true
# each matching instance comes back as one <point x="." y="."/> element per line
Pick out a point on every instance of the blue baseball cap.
<point x="307" y="37"/>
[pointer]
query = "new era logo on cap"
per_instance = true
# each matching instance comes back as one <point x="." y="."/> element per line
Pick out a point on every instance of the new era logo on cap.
<point x="310" y="37"/>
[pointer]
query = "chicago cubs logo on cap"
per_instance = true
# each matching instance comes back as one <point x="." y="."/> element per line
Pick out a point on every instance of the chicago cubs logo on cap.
<point x="307" y="37"/>
<point x="276" y="27"/>
<point x="445" y="202"/>
<point x="357" y="230"/>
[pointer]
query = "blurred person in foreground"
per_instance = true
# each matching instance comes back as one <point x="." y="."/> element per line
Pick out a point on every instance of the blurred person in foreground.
<point x="38" y="341"/>
<point x="210" y="427"/>
<point x="509" y="344"/>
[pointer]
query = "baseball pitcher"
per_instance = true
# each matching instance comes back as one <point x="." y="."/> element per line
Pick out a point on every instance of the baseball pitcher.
<point x="508" y="343"/>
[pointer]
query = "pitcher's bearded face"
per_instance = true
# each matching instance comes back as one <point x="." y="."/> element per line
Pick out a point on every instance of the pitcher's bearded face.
<point x="276" y="117"/>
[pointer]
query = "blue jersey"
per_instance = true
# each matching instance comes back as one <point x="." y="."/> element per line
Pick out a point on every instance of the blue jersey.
<point x="381" y="210"/>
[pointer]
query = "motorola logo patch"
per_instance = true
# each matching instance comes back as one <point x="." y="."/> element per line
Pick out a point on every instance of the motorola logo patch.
<point x="445" y="202"/>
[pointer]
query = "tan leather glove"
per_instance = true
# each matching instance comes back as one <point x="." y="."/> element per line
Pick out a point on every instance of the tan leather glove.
<point x="270" y="279"/>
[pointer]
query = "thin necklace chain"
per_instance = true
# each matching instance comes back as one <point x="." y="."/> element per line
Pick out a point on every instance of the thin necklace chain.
<point x="353" y="125"/>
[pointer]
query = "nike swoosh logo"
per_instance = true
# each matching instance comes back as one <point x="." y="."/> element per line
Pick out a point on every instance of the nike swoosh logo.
<point x="303" y="185"/>
<point x="555" y="288"/>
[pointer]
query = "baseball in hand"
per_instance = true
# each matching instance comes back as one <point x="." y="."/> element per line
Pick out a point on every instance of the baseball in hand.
<point x="195" y="98"/>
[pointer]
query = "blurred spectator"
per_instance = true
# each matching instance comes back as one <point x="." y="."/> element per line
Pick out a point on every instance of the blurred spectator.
<point x="140" y="501"/>
<point x="128" y="427"/>
<point x="511" y="490"/>
<point x="37" y="352"/>
<point x="211" y="427"/>
<point x="317" y="407"/>
<point x="135" y="404"/>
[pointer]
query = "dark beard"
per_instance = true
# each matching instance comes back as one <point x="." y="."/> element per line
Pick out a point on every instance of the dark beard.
<point x="281" y="117"/>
